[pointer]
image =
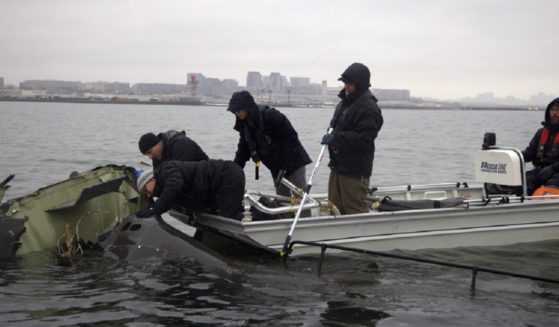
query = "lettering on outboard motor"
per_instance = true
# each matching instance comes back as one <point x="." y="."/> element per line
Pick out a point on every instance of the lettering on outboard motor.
<point x="493" y="168"/>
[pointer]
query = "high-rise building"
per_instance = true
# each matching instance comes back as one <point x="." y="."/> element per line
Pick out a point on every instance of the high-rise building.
<point x="1" y="83"/>
<point x="230" y="84"/>
<point x="254" y="80"/>
<point x="299" y="82"/>
<point x="276" y="82"/>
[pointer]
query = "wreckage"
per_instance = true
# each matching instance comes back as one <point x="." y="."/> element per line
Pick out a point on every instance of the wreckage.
<point x="67" y="214"/>
<point x="94" y="209"/>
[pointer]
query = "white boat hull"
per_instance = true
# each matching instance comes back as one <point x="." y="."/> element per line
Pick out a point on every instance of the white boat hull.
<point x="497" y="224"/>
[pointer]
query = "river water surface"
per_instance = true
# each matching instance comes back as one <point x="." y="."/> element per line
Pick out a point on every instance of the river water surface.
<point x="43" y="143"/>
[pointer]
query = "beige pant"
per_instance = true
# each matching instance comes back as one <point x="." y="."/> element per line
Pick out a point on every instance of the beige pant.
<point x="348" y="194"/>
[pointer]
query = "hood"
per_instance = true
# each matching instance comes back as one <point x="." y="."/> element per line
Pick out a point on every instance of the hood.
<point x="555" y="102"/>
<point x="168" y="135"/>
<point x="242" y="100"/>
<point x="357" y="74"/>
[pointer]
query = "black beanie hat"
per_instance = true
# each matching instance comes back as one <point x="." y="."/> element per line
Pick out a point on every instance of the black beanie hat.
<point x="147" y="141"/>
<point x="357" y="74"/>
<point x="241" y="100"/>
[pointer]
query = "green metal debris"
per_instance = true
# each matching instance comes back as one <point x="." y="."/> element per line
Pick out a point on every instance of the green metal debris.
<point x="86" y="204"/>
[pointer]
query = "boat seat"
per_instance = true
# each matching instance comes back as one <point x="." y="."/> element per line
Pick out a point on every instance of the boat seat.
<point x="388" y="204"/>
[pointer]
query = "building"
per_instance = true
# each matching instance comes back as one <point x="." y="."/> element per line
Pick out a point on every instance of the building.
<point x="158" y="88"/>
<point x="193" y="81"/>
<point x="254" y="80"/>
<point x="276" y="83"/>
<point x="485" y="97"/>
<point x="541" y="99"/>
<point x="195" y="78"/>
<point x="52" y="86"/>
<point x="299" y="82"/>
<point x="1" y="83"/>
<point x="199" y="85"/>
<point x="392" y="95"/>
<point x="107" y="87"/>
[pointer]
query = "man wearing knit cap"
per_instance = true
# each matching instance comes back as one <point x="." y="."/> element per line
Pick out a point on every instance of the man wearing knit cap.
<point x="212" y="186"/>
<point x="356" y="123"/>
<point x="266" y="135"/>
<point x="171" y="145"/>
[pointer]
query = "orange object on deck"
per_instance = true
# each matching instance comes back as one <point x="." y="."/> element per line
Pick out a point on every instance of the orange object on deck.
<point x="546" y="190"/>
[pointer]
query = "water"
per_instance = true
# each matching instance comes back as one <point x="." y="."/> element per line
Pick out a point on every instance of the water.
<point x="43" y="142"/>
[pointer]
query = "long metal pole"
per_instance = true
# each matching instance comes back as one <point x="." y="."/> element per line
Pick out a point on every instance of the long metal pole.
<point x="285" y="250"/>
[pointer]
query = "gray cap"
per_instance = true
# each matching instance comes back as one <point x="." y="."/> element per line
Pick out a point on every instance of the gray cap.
<point x="143" y="179"/>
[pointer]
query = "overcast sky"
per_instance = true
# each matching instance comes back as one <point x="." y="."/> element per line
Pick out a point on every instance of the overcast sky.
<point x="442" y="49"/>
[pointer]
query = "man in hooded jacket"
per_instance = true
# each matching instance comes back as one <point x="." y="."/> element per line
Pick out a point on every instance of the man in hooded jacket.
<point x="356" y="123"/>
<point x="266" y="135"/>
<point x="170" y="145"/>
<point x="543" y="151"/>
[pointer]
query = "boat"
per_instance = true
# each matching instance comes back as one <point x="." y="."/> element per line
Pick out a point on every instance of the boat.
<point x="68" y="214"/>
<point x="408" y="217"/>
<point x="86" y="206"/>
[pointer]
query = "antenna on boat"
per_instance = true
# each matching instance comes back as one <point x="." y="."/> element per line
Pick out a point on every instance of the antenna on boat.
<point x="285" y="250"/>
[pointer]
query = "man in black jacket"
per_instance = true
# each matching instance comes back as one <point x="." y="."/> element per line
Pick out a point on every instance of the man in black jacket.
<point x="212" y="186"/>
<point x="171" y="145"/>
<point x="543" y="151"/>
<point x="356" y="123"/>
<point x="266" y="135"/>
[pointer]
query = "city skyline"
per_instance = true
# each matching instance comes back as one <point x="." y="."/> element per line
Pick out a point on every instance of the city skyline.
<point x="437" y="49"/>
<point x="538" y="98"/>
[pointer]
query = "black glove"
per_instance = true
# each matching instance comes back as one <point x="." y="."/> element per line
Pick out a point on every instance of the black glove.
<point x="545" y="173"/>
<point x="255" y="157"/>
<point x="327" y="139"/>
<point x="145" y="213"/>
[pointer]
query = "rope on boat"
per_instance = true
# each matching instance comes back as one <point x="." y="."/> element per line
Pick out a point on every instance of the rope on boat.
<point x="475" y="269"/>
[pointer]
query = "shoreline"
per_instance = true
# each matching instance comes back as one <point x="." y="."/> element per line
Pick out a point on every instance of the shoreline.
<point x="280" y="105"/>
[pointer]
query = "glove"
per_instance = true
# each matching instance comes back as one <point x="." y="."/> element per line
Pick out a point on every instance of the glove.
<point x="545" y="173"/>
<point x="327" y="139"/>
<point x="145" y="213"/>
<point x="255" y="157"/>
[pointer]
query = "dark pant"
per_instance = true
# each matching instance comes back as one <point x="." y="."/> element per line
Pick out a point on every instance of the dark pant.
<point x="533" y="182"/>
<point x="228" y="200"/>
<point x="297" y="178"/>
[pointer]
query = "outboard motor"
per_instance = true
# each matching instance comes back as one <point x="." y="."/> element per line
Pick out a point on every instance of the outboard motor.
<point x="501" y="169"/>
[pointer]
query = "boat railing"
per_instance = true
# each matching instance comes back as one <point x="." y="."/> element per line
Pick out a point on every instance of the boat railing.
<point x="504" y="199"/>
<point x="417" y="187"/>
<point x="437" y="191"/>
<point x="283" y="209"/>
<point x="312" y="201"/>
<point x="474" y="269"/>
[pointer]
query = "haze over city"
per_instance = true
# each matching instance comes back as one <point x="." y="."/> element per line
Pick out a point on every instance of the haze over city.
<point x="436" y="49"/>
